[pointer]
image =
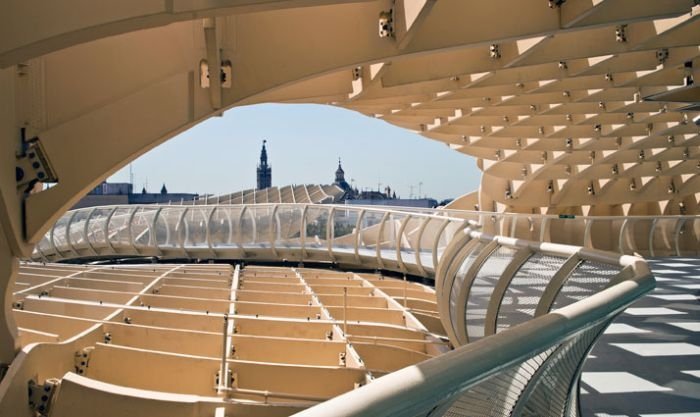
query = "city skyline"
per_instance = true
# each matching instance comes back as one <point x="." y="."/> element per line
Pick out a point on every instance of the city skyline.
<point x="223" y="153"/>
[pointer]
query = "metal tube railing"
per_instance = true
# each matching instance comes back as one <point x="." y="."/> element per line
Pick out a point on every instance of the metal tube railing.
<point x="379" y="240"/>
<point x="465" y="373"/>
<point x="130" y="231"/>
<point x="680" y="235"/>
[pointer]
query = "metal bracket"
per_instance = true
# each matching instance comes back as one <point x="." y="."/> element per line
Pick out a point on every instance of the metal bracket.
<point x="621" y="33"/>
<point x="32" y="165"/>
<point x="386" y="24"/>
<point x="232" y="379"/>
<point x="41" y="396"/>
<point x="82" y="360"/>
<point x="225" y="75"/>
<point x="494" y="51"/>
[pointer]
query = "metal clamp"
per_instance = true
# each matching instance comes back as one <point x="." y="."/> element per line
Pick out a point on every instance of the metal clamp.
<point x="82" y="359"/>
<point x="32" y="165"/>
<point x="41" y="396"/>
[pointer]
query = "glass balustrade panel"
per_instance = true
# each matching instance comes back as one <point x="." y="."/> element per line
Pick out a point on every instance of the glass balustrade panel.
<point x="118" y="227"/>
<point x="316" y="227"/>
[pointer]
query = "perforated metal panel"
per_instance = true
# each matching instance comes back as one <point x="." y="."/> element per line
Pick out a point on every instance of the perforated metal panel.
<point x="525" y="290"/>
<point x="554" y="385"/>
<point x="497" y="395"/>
<point x="459" y="280"/>
<point x="482" y="289"/>
<point x="588" y="278"/>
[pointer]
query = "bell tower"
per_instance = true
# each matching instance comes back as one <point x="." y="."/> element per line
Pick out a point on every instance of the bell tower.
<point x="264" y="170"/>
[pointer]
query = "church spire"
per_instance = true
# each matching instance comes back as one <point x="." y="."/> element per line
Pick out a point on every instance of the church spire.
<point x="263" y="155"/>
<point x="264" y="170"/>
<point x="339" y="173"/>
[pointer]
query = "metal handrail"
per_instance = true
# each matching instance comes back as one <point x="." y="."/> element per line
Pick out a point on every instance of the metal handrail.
<point x="435" y="384"/>
<point x="375" y="238"/>
<point x="382" y="248"/>
<point x="669" y="228"/>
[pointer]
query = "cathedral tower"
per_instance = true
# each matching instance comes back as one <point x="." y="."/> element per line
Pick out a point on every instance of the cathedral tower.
<point x="264" y="170"/>
<point x="340" y="178"/>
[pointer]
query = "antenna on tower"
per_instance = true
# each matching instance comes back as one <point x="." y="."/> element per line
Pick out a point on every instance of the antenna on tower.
<point x="131" y="174"/>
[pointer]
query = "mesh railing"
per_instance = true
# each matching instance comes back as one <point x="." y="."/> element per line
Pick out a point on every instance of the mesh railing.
<point x="337" y="227"/>
<point x="402" y="241"/>
<point x="525" y="290"/>
<point x="523" y="316"/>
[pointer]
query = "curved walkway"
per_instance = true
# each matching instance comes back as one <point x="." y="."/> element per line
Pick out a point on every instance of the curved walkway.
<point x="406" y="240"/>
<point x="647" y="363"/>
<point x="521" y="313"/>
<point x="409" y="242"/>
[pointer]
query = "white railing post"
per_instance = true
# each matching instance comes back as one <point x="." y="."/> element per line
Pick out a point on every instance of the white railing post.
<point x="239" y="233"/>
<point x="108" y="242"/>
<point x="436" y="242"/>
<point x="208" y="232"/>
<point x="302" y="231"/>
<point x="330" y="233"/>
<point x="130" y="232"/>
<point x="677" y="235"/>
<point x="513" y="225"/>
<point x="86" y="231"/>
<point x="651" y="237"/>
<point x="155" y="231"/>
<point x="358" y="234"/>
<point x="274" y="229"/>
<point x="544" y="227"/>
<point x="182" y="234"/>
<point x="380" y="236"/>
<point x="419" y="243"/>
<point x="399" y="240"/>
<point x="621" y="238"/>
<point x="587" y="242"/>
<point x="68" y="239"/>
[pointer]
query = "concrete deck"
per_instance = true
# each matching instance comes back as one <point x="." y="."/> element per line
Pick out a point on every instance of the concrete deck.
<point x="647" y="364"/>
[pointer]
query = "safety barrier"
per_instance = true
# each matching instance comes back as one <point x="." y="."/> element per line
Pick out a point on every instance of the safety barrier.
<point x="525" y="314"/>
<point x="373" y="238"/>
<point x="406" y="240"/>
<point x="554" y="300"/>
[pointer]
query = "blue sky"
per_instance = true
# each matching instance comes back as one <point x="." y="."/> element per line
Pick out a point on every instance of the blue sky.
<point x="304" y="142"/>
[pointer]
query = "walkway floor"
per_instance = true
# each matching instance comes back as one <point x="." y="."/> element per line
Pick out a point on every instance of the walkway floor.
<point x="647" y="364"/>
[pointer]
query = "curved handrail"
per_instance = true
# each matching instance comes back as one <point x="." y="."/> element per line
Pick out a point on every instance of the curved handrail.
<point x="298" y="235"/>
<point x="560" y="327"/>
<point x="534" y="365"/>
<point x="579" y="231"/>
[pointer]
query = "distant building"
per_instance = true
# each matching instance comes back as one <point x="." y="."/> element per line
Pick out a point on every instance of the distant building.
<point x="395" y="202"/>
<point x="264" y="170"/>
<point x="339" y="192"/>
<point x="375" y="198"/>
<point x="110" y="193"/>
<point x="340" y="178"/>
<point x="354" y="194"/>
